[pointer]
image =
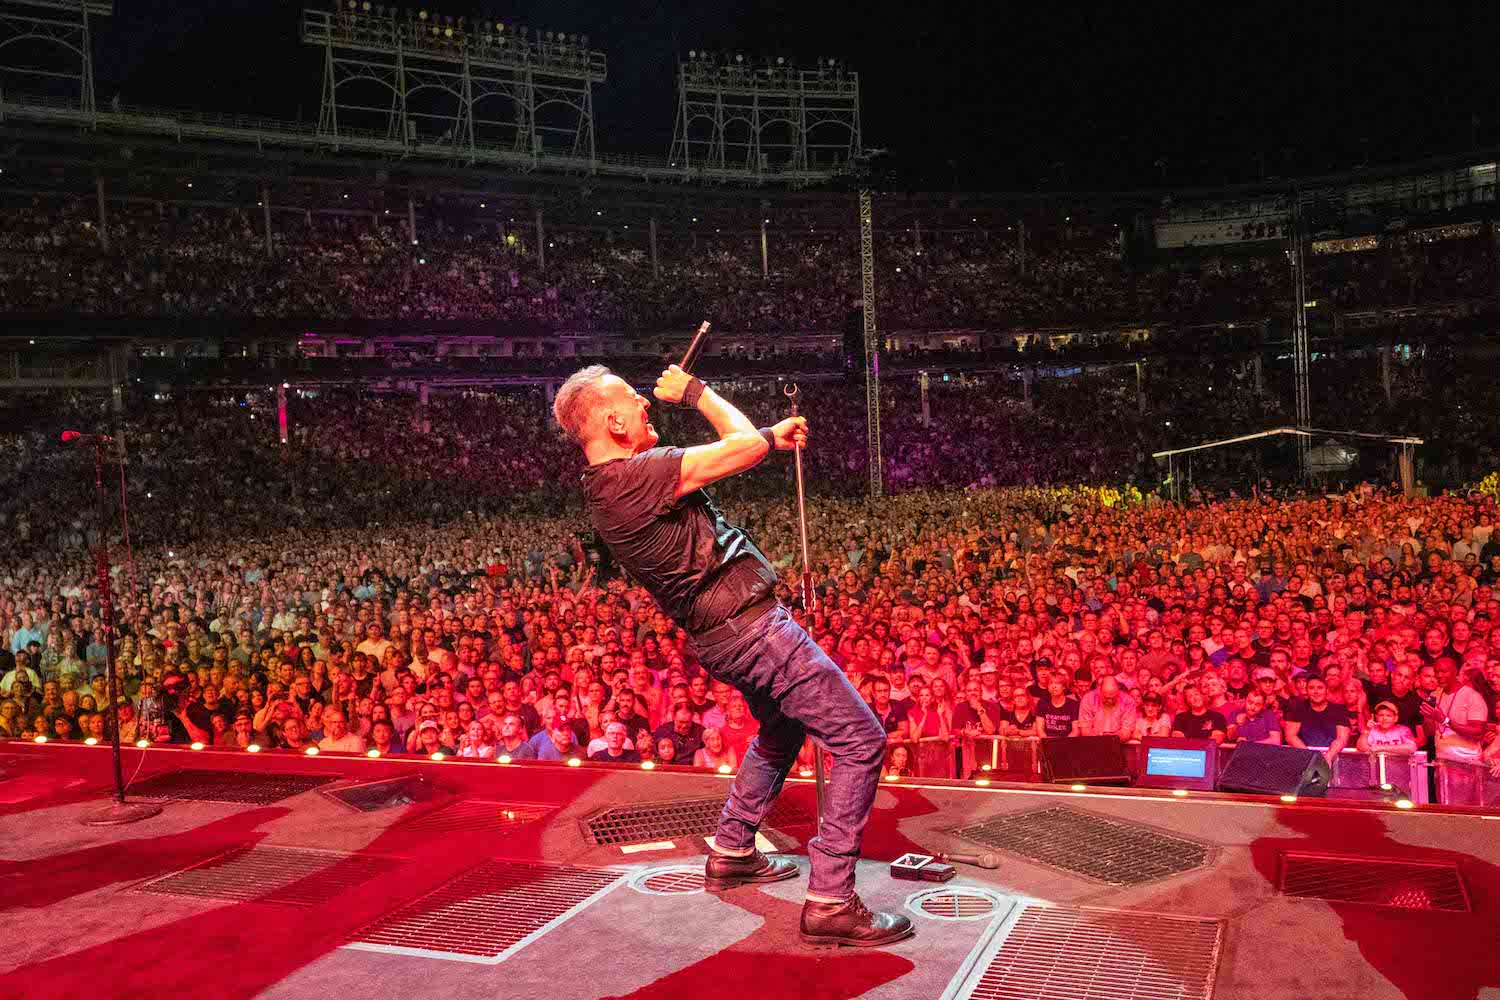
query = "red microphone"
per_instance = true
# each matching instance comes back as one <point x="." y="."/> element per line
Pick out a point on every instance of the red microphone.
<point x="73" y="437"/>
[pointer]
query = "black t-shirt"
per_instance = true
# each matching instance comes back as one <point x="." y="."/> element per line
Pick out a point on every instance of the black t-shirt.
<point x="626" y="757"/>
<point x="892" y="716"/>
<point x="1408" y="706"/>
<point x="1199" y="727"/>
<point x="1319" y="726"/>
<point x="1058" y="720"/>
<point x="697" y="565"/>
<point x="1009" y="715"/>
<point x="634" y="723"/>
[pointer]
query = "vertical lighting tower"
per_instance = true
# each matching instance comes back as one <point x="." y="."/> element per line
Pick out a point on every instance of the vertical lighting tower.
<point x="872" y="340"/>
<point x="743" y="120"/>
<point x="1301" y="359"/>
<point x="45" y="31"/>
<point x="420" y="78"/>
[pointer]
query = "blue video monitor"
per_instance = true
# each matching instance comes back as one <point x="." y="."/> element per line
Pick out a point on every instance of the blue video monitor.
<point x="1168" y="762"/>
<point x="1179" y="763"/>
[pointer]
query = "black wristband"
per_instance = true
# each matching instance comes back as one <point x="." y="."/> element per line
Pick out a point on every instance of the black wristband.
<point x="770" y="437"/>
<point x="692" y="392"/>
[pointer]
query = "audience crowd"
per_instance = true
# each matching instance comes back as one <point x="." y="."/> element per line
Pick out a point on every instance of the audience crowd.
<point x="208" y="259"/>
<point x="1360" y="620"/>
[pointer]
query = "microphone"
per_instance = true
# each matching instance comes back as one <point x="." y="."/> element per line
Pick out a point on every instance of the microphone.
<point x="985" y="860"/>
<point x="695" y="348"/>
<point x="74" y="437"/>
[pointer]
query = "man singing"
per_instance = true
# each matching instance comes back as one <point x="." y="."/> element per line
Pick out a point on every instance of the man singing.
<point x="649" y="506"/>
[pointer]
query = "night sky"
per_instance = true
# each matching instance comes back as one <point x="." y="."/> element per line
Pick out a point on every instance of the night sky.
<point x="1042" y="96"/>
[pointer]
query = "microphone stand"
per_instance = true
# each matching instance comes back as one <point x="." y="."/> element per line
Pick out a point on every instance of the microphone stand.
<point x="119" y="811"/>
<point x="809" y="599"/>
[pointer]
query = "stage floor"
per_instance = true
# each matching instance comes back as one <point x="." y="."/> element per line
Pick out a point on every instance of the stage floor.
<point x="266" y="876"/>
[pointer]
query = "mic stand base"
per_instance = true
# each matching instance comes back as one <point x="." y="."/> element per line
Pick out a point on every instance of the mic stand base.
<point x="120" y="813"/>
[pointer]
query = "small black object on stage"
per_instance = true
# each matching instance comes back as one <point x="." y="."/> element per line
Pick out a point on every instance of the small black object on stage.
<point x="921" y="868"/>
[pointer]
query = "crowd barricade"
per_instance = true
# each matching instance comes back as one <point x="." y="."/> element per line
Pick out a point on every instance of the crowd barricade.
<point x="1460" y="783"/>
<point x="1019" y="758"/>
<point x="1017" y="755"/>
<point x="928" y="757"/>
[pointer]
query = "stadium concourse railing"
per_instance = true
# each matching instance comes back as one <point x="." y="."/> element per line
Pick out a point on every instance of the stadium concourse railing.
<point x="1019" y="758"/>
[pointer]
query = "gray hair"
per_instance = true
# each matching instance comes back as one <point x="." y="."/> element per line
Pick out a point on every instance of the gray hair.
<point x="575" y="402"/>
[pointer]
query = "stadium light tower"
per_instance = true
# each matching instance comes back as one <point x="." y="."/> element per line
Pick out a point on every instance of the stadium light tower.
<point x="872" y="341"/>
<point x="742" y="120"/>
<point x="425" y="79"/>
<point x="52" y="42"/>
<point x="1301" y="357"/>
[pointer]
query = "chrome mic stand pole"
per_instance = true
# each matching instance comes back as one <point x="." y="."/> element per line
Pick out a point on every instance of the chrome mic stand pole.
<point x="809" y="600"/>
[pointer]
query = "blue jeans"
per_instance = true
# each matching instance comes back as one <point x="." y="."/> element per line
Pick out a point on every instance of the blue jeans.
<point x="794" y="689"/>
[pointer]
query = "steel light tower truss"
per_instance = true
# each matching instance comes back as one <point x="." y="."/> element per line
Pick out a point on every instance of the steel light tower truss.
<point x="872" y="341"/>
<point x="48" y="44"/>
<point x="735" y="117"/>
<point x="424" y="80"/>
<point x="1296" y="253"/>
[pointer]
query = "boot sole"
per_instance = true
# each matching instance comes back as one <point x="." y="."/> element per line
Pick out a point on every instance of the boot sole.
<point x="820" y="943"/>
<point x="724" y="884"/>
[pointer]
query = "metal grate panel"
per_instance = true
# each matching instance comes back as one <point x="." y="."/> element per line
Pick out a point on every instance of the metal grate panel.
<point x="1106" y="850"/>
<point x="644" y="824"/>
<point x="249" y="788"/>
<point x="957" y="905"/>
<point x="1089" y="954"/>
<point x="1406" y="885"/>
<point x="672" y="881"/>
<point x="393" y="793"/>
<point x="284" y="875"/>
<point x="479" y="816"/>
<point x="486" y="913"/>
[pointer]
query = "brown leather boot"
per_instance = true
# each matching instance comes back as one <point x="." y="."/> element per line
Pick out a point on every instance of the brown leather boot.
<point x="851" y="923"/>
<point x="720" y="871"/>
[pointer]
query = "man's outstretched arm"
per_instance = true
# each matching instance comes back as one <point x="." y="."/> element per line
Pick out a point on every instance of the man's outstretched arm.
<point x="740" y="444"/>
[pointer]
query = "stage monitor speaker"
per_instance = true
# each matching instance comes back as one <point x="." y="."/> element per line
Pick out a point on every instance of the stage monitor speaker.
<point x="1085" y="760"/>
<point x="1267" y="769"/>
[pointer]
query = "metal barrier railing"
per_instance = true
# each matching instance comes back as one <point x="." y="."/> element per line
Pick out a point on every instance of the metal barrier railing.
<point x="1464" y="784"/>
<point x="1020" y="759"/>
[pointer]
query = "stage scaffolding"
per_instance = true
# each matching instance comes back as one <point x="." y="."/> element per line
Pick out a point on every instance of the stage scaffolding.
<point x="429" y="80"/>
<point x="32" y="32"/>
<point x="872" y="341"/>
<point x="1304" y="435"/>
<point x="735" y="118"/>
